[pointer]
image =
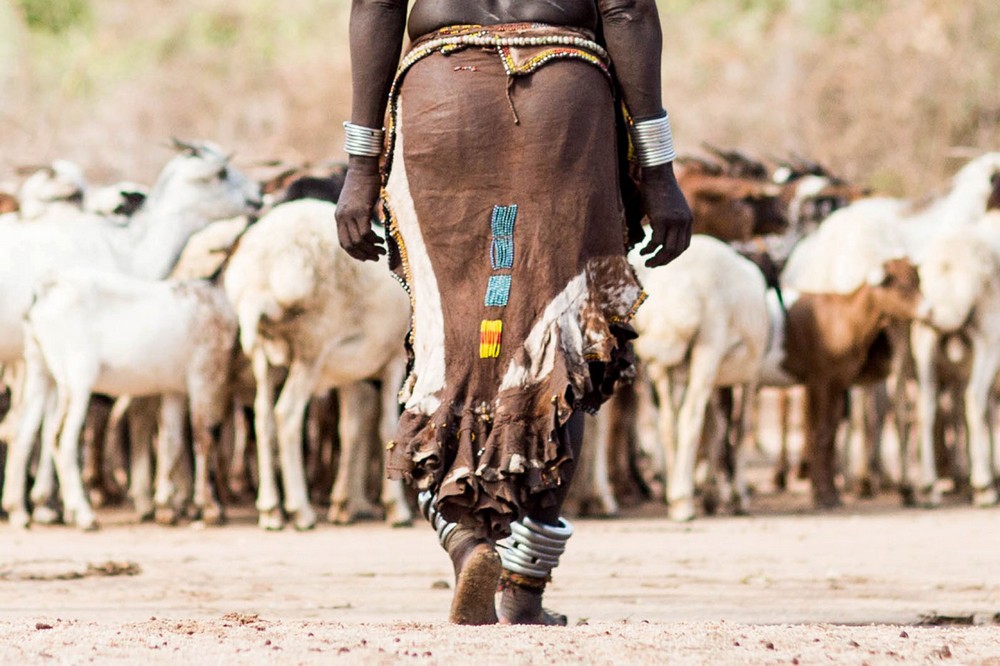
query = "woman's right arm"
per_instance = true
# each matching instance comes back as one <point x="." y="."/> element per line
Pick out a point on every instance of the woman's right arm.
<point x="376" y="37"/>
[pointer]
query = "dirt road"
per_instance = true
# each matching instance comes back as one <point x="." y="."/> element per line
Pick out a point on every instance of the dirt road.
<point x="847" y="587"/>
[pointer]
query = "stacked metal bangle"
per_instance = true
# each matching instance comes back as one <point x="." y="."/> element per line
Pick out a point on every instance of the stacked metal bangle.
<point x="533" y="548"/>
<point x="363" y="141"/>
<point x="653" y="141"/>
<point x="425" y="500"/>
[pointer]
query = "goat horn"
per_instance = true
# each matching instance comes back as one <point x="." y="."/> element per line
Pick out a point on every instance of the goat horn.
<point x="181" y="145"/>
<point x="718" y="152"/>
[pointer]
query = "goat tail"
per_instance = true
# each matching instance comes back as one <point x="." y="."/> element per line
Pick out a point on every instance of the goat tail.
<point x="249" y="314"/>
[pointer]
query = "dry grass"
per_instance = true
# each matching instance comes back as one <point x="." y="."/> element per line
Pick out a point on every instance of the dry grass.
<point x="882" y="90"/>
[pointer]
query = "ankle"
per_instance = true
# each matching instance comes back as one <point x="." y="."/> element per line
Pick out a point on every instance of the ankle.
<point x="461" y="544"/>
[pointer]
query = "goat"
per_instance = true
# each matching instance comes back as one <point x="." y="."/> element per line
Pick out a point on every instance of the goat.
<point x="103" y="332"/>
<point x="859" y="238"/>
<point x="960" y="277"/>
<point x="731" y="208"/>
<point x="704" y="325"/>
<point x="196" y="187"/>
<point x="830" y="342"/>
<point x="333" y="322"/>
<point x="55" y="189"/>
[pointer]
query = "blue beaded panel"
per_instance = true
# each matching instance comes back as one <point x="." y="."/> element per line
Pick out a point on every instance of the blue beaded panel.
<point x="498" y="291"/>
<point x="502" y="247"/>
<point x="502" y="223"/>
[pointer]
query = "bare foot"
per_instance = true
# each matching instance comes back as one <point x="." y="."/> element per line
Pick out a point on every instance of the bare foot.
<point x="477" y="572"/>
<point x="520" y="605"/>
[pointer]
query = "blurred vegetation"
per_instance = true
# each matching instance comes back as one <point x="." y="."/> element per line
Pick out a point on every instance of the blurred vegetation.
<point x="892" y="93"/>
<point x="55" y="16"/>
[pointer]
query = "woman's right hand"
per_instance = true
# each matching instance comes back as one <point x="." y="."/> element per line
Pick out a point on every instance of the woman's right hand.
<point x="356" y="208"/>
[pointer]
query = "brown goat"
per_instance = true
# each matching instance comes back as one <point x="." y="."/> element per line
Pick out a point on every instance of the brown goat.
<point x="834" y="341"/>
<point x="731" y="208"/>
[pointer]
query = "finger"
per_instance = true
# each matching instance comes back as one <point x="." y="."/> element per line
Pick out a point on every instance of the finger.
<point x="356" y="244"/>
<point x="655" y="239"/>
<point x="376" y="243"/>
<point x="346" y="237"/>
<point x="369" y="246"/>
<point x="673" y="243"/>
<point x="673" y="246"/>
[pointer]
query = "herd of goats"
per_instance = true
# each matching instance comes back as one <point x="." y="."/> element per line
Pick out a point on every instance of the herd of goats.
<point x="162" y="340"/>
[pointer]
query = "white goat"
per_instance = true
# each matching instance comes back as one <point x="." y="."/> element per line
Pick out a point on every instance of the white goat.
<point x="58" y="189"/>
<point x="194" y="189"/>
<point x="960" y="278"/>
<point x="203" y="257"/>
<point x="704" y="326"/>
<point x="860" y="238"/>
<point x="104" y="332"/>
<point x="305" y="304"/>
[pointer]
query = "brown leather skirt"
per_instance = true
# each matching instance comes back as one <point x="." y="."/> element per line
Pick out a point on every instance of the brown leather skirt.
<point x="508" y="230"/>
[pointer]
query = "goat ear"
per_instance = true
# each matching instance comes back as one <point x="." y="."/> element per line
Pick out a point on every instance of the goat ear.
<point x="29" y="169"/>
<point x="876" y="276"/>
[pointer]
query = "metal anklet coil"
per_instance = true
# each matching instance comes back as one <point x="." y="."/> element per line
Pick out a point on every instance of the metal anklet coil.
<point x="444" y="528"/>
<point x="533" y="549"/>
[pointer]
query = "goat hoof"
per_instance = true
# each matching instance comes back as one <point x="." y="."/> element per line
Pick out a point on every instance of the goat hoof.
<point x="827" y="500"/>
<point x="930" y="496"/>
<point x="681" y="510"/>
<point x="398" y="516"/>
<point x="144" y="512"/>
<point x="212" y="515"/>
<point x="740" y="506"/>
<point x="345" y="513"/>
<point x="710" y="503"/>
<point x="338" y="515"/>
<point x="606" y="508"/>
<point x="88" y="524"/>
<point x="908" y="495"/>
<point x="165" y="515"/>
<point x="271" y="520"/>
<point x="85" y="520"/>
<point x="303" y="519"/>
<point x="985" y="496"/>
<point x="781" y="481"/>
<point x="865" y="488"/>
<point x="45" y="515"/>
<point x="19" y="519"/>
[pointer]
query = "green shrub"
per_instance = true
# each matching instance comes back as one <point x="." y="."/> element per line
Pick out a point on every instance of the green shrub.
<point x="55" y="16"/>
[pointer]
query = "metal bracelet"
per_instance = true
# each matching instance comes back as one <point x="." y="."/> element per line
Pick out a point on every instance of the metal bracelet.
<point x="654" y="141"/>
<point x="363" y="141"/>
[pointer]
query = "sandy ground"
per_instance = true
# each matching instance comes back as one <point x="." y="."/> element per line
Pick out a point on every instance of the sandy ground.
<point x="782" y="586"/>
